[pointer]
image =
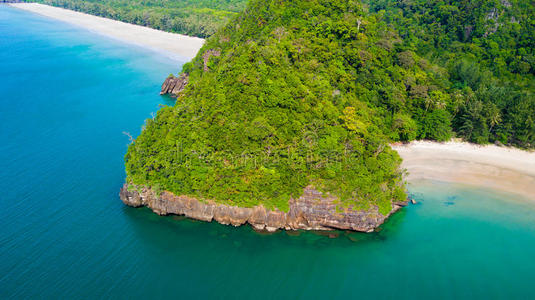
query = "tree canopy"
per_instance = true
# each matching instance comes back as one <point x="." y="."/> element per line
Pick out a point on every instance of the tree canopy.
<point x="297" y="93"/>
<point x="487" y="48"/>
<point x="199" y="18"/>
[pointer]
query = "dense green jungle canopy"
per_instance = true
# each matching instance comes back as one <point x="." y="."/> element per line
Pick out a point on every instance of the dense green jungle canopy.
<point x="297" y="93"/>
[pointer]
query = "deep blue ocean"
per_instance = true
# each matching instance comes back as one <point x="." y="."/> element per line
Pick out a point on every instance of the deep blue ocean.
<point x="67" y="96"/>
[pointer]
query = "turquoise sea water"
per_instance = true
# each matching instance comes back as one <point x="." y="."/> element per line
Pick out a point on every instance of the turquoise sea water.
<point x="66" y="96"/>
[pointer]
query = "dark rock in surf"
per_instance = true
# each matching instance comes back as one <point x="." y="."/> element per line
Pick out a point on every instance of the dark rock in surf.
<point x="174" y="85"/>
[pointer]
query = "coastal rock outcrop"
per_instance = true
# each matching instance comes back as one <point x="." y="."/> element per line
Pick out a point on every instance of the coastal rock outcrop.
<point x="311" y="211"/>
<point x="174" y="85"/>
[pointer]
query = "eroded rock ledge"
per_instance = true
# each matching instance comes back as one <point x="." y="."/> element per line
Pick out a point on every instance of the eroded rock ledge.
<point x="312" y="211"/>
<point x="174" y="85"/>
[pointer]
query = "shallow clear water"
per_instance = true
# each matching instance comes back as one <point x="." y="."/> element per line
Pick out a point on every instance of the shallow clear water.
<point x="67" y="95"/>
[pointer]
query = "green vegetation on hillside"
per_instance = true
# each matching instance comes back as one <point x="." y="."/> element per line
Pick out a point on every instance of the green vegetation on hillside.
<point x="191" y="17"/>
<point x="487" y="48"/>
<point x="279" y="109"/>
<point x="312" y="92"/>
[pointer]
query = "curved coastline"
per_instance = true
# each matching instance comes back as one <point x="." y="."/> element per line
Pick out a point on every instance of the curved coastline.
<point x="177" y="46"/>
<point x="502" y="168"/>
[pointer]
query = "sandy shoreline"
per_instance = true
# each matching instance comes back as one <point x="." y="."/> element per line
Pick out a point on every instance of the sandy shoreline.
<point x="501" y="168"/>
<point x="176" y="46"/>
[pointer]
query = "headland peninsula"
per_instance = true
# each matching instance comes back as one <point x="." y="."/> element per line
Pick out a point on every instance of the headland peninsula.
<point x="301" y="178"/>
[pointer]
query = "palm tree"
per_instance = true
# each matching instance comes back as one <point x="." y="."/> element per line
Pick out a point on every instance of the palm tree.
<point x="494" y="118"/>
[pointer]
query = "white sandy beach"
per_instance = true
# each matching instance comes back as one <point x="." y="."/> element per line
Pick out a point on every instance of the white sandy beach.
<point x="175" y="45"/>
<point x="502" y="168"/>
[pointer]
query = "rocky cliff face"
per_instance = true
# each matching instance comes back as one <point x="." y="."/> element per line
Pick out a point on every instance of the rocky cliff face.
<point x="174" y="85"/>
<point x="312" y="211"/>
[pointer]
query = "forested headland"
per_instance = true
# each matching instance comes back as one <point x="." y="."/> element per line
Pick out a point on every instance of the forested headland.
<point x="296" y="93"/>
